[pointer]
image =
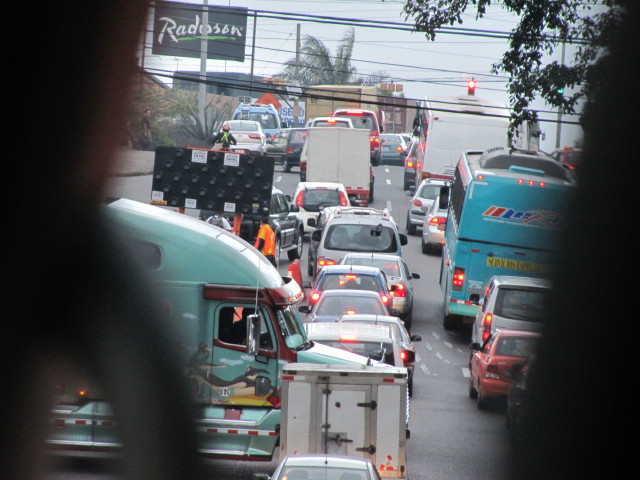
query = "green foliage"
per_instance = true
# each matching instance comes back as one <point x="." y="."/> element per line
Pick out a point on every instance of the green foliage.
<point x="543" y="28"/>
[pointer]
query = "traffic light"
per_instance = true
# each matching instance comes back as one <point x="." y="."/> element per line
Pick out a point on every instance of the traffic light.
<point x="471" y="87"/>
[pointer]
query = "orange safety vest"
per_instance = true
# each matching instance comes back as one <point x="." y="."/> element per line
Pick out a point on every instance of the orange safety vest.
<point x="269" y="247"/>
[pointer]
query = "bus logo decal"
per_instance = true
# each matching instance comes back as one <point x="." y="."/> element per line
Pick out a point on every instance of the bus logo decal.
<point x="542" y="218"/>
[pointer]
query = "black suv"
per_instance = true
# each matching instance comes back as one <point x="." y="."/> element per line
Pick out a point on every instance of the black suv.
<point x="287" y="146"/>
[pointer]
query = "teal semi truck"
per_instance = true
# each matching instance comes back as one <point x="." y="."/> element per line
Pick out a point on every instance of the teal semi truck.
<point x="235" y="320"/>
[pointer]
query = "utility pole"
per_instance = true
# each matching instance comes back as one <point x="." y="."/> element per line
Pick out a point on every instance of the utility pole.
<point x="295" y="102"/>
<point x="253" y="53"/>
<point x="202" y="91"/>
<point x="559" y="124"/>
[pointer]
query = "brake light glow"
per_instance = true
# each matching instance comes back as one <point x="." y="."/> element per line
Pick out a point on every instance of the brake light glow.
<point x="409" y="163"/>
<point x="315" y="295"/>
<point x="348" y="338"/>
<point x="300" y="198"/>
<point x="458" y="278"/>
<point x="408" y="357"/>
<point x="256" y="137"/>
<point x="350" y="312"/>
<point x="486" y="326"/>
<point x="322" y="261"/>
<point x="385" y="299"/>
<point x="343" y="200"/>
<point x="532" y="183"/>
<point x="437" y="220"/>
<point x="399" y="291"/>
<point x="399" y="148"/>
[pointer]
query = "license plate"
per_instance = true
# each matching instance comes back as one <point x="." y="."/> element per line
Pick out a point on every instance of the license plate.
<point x="385" y="148"/>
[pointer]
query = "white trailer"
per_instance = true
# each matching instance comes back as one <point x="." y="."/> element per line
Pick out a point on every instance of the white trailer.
<point x="360" y="411"/>
<point x="339" y="155"/>
<point x="466" y="122"/>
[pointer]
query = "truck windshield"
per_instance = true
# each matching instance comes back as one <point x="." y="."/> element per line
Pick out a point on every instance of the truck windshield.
<point x="293" y="332"/>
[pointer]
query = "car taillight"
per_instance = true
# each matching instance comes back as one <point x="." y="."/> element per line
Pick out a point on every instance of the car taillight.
<point x="315" y="295"/>
<point x="350" y="312"/>
<point x="409" y="163"/>
<point x="322" y="261"/>
<point x="437" y="220"/>
<point x="416" y="202"/>
<point x="385" y="299"/>
<point x="408" y="357"/>
<point x="399" y="149"/>
<point x="300" y="198"/>
<point x="255" y="137"/>
<point x="289" y="150"/>
<point x="486" y="326"/>
<point x="399" y="291"/>
<point x="458" y="279"/>
<point x="374" y="139"/>
<point x="492" y="371"/>
<point x="343" y="200"/>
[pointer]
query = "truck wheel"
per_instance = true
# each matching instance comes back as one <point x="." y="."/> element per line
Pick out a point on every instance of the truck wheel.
<point x="473" y="393"/>
<point x="296" y="253"/>
<point x="426" y="248"/>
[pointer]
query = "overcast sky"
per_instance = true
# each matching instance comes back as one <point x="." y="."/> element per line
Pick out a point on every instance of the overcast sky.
<point x="424" y="68"/>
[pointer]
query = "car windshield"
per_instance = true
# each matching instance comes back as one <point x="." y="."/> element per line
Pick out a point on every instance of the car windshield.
<point x="429" y="192"/>
<point x="339" y="305"/>
<point x="322" y="473"/>
<point x="267" y="120"/>
<point x="350" y="281"/>
<point x="390" y="268"/>
<point x="361" y="238"/>
<point x="520" y="304"/>
<point x="516" y="346"/>
<point x="243" y="126"/>
<point x="360" y="121"/>
<point x="293" y="332"/>
<point x="381" y="351"/>
<point x="315" y="198"/>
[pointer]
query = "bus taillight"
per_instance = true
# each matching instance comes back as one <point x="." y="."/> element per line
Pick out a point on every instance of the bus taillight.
<point x="458" y="278"/>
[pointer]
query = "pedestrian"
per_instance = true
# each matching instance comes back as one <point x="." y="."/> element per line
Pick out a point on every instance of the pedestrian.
<point x="145" y="136"/>
<point x="225" y="137"/>
<point x="266" y="240"/>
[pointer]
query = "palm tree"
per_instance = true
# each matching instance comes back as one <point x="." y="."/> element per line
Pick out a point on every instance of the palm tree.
<point x="317" y="65"/>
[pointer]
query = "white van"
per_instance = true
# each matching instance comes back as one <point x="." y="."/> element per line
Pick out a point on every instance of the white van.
<point x="511" y="302"/>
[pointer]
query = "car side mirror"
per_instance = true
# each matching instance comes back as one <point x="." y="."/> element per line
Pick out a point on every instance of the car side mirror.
<point x="311" y="222"/>
<point x="475" y="346"/>
<point x="294" y="208"/>
<point x="304" y="309"/>
<point x="260" y="476"/>
<point x="415" y="275"/>
<point x="395" y="312"/>
<point x="474" y="298"/>
<point x="316" y="235"/>
<point x="306" y="284"/>
<point x="403" y="239"/>
<point x="253" y="334"/>
<point x="416" y="338"/>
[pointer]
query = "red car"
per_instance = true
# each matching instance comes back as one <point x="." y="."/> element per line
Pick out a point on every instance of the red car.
<point x="492" y="364"/>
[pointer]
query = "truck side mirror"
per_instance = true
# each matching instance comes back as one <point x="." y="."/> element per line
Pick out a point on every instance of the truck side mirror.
<point x="253" y="334"/>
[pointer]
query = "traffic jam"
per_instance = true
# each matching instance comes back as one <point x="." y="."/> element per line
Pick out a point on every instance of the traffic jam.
<point x="266" y="344"/>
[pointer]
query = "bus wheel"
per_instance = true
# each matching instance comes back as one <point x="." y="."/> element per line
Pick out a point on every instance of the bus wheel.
<point x="450" y="322"/>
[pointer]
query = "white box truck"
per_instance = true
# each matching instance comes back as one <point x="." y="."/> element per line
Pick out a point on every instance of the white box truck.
<point x="357" y="411"/>
<point x="339" y="155"/>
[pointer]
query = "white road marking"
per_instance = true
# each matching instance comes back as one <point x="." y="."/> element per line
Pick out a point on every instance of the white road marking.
<point x="278" y="178"/>
<point x="465" y="372"/>
<point x="389" y="206"/>
<point x="424" y="368"/>
<point x="388" y="180"/>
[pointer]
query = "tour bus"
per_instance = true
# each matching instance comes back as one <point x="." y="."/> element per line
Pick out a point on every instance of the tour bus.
<point x="506" y="215"/>
<point x="466" y="122"/>
<point x="263" y="113"/>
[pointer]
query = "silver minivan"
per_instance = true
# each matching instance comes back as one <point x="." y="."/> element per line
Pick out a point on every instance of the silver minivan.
<point x="354" y="229"/>
<point x="511" y="302"/>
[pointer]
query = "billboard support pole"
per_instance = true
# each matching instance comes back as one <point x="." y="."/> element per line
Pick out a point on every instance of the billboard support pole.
<point x="253" y="53"/>
<point x="202" y="90"/>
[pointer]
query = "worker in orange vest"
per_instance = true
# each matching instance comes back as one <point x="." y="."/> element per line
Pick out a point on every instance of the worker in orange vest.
<point x="266" y="240"/>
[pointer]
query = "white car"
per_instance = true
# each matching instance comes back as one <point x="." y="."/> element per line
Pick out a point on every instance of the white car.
<point x="311" y="197"/>
<point x="249" y="136"/>
<point x="433" y="227"/>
